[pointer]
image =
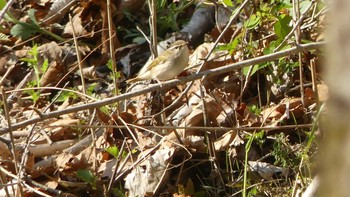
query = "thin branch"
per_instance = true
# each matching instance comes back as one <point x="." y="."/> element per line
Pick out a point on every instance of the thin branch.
<point x="80" y="63"/>
<point x="4" y="10"/>
<point x="13" y="148"/>
<point x="152" y="128"/>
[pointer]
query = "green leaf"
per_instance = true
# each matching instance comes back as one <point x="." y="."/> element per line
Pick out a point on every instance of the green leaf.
<point x="282" y="27"/>
<point x="45" y="66"/>
<point x="2" y="4"/>
<point x="270" y="48"/>
<point x="253" y="21"/>
<point x="118" y="192"/>
<point x="31" y="14"/>
<point x="88" y="177"/>
<point x="24" y="30"/>
<point x="227" y="3"/>
<point x="64" y="95"/>
<point x="91" y="88"/>
<point x="113" y="150"/>
<point x="255" y="68"/>
<point x="245" y="70"/>
<point x="229" y="47"/>
<point x="4" y="37"/>
<point x="303" y="6"/>
<point x="35" y="95"/>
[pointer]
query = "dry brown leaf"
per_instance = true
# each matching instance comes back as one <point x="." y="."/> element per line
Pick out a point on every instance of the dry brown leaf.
<point x="64" y="132"/>
<point x="54" y="74"/>
<point x="57" y="10"/>
<point x="225" y="141"/>
<point x="217" y="58"/>
<point x="68" y="163"/>
<point x="5" y="152"/>
<point x="278" y="113"/>
<point x="78" y="27"/>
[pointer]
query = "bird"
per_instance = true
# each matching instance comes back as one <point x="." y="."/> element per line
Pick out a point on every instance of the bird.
<point x="167" y="65"/>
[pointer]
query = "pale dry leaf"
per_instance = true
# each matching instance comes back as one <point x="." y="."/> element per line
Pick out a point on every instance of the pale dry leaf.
<point x="52" y="184"/>
<point x="11" y="187"/>
<point x="177" y="115"/>
<point x="107" y="168"/>
<point x="51" y="51"/>
<point x="58" y="9"/>
<point x="224" y="141"/>
<point x="64" y="161"/>
<point x="78" y="27"/>
<point x="145" y="179"/>
<point x="237" y="141"/>
<point x="216" y="59"/>
<point x="312" y="189"/>
<point x="195" y="118"/>
<point x="195" y="143"/>
<point x="59" y="132"/>
<point x="323" y="94"/>
<point x="266" y="170"/>
<point x="86" y="157"/>
<point x="88" y="72"/>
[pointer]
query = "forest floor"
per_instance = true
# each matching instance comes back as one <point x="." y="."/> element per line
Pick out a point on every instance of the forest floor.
<point x="241" y="120"/>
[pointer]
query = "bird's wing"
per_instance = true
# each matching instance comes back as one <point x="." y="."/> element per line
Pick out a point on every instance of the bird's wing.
<point x="159" y="60"/>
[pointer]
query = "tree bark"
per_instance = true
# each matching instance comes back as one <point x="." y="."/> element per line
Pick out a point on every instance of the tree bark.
<point x="335" y="148"/>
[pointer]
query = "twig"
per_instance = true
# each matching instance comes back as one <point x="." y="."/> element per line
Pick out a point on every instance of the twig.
<point x="297" y="33"/>
<point x="153" y="27"/>
<point x="314" y="82"/>
<point x="22" y="182"/>
<point x="4" y="10"/>
<point x="14" y="153"/>
<point x="78" y="56"/>
<point x="9" y="69"/>
<point x="117" y="162"/>
<point x="168" y="84"/>
<point x="152" y="128"/>
<point x="112" y="38"/>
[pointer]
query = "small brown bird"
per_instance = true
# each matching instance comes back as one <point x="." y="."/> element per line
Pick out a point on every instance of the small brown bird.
<point x="167" y="65"/>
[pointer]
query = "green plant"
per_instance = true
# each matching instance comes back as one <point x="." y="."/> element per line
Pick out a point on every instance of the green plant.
<point x="113" y="76"/>
<point x="2" y="4"/>
<point x="245" y="177"/>
<point x="168" y="14"/>
<point x="284" y="155"/>
<point x="64" y="95"/>
<point x="24" y="30"/>
<point x="114" y="151"/>
<point x="33" y="62"/>
<point x="88" y="177"/>
<point x="119" y="191"/>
